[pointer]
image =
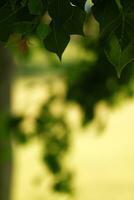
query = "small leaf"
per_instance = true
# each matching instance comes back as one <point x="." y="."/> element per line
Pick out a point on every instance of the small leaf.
<point x="42" y="31"/>
<point x="79" y="3"/>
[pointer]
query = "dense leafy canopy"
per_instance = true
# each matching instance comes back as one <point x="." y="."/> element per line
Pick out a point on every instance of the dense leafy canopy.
<point x="116" y="19"/>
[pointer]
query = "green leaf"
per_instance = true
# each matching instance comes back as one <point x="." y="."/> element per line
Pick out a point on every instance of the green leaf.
<point x="74" y="25"/>
<point x="116" y="19"/>
<point x="107" y="14"/>
<point x="4" y="35"/>
<point x="2" y="2"/>
<point x="42" y="31"/>
<point x="7" y="17"/>
<point x="60" y="11"/>
<point x="118" y="57"/>
<point x="23" y="27"/>
<point x="57" y="40"/>
<point x="24" y="16"/>
<point x="15" y="21"/>
<point x="35" y="7"/>
<point x="118" y="2"/>
<point x="67" y="19"/>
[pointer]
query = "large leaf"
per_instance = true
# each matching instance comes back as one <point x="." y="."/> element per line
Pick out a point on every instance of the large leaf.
<point x="74" y="25"/>
<point x="117" y="56"/>
<point x="107" y="14"/>
<point x="67" y="19"/>
<point x="57" y="40"/>
<point x="60" y="11"/>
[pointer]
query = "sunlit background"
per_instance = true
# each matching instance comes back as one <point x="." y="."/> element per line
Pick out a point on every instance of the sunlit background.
<point x="98" y="109"/>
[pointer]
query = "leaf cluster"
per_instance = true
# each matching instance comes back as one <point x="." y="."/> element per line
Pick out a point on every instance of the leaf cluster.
<point x="115" y="17"/>
<point x="53" y="131"/>
<point x="26" y="17"/>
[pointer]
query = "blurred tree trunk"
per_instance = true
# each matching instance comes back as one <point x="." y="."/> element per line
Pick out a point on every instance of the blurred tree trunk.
<point x="6" y="71"/>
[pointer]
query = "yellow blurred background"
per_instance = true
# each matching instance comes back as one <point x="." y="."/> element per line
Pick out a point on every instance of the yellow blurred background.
<point x="103" y="164"/>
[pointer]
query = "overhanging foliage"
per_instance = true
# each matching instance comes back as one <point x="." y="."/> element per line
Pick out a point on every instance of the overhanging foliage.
<point x="116" y="19"/>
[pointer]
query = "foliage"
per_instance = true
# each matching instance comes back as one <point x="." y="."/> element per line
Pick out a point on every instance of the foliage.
<point x="116" y="19"/>
<point x="54" y="133"/>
